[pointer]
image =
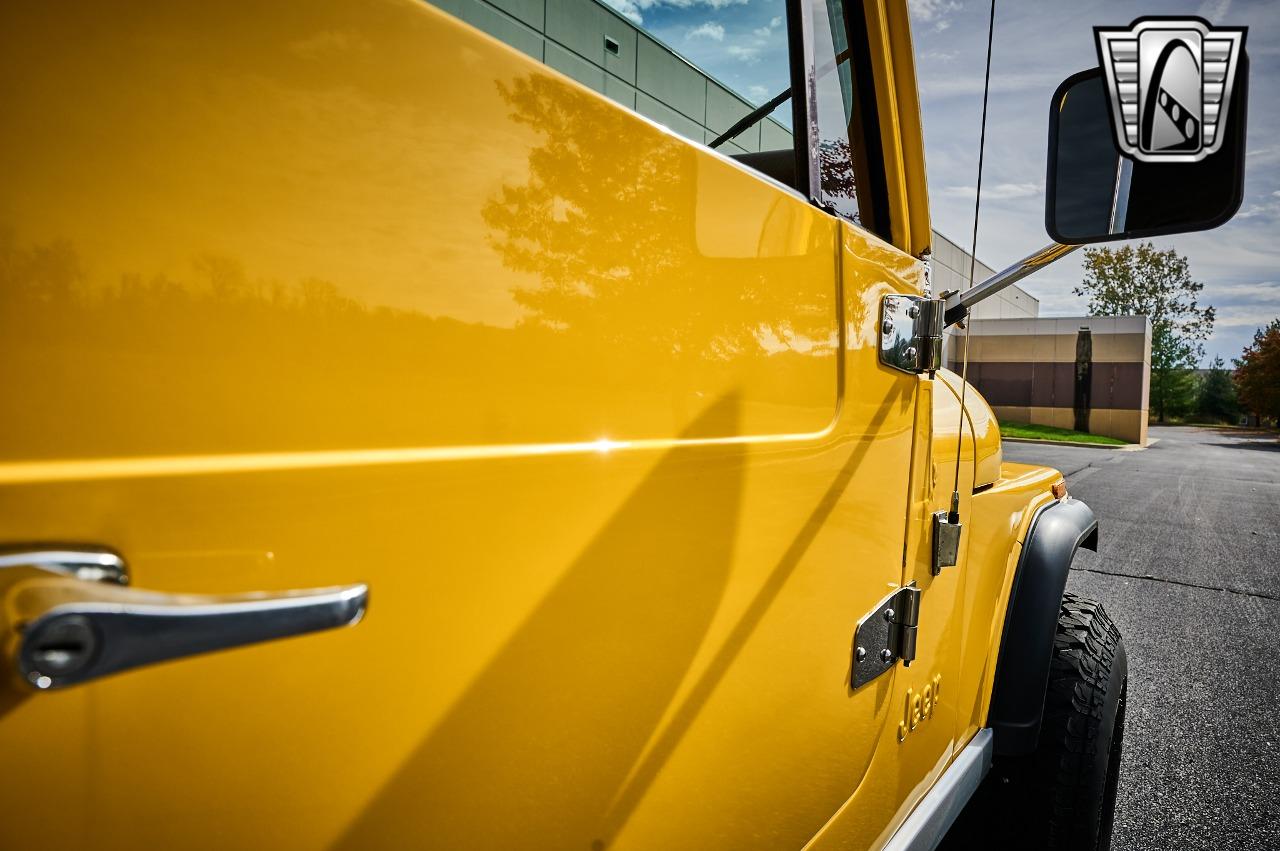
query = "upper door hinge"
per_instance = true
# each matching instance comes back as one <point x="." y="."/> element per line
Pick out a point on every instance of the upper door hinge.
<point x="911" y="333"/>
<point x="946" y="541"/>
<point x="886" y="635"/>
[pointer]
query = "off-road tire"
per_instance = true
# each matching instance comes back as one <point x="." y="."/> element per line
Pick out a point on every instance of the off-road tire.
<point x="1063" y="796"/>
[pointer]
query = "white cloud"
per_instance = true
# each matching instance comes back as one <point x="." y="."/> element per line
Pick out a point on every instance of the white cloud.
<point x="972" y="84"/>
<point x="1244" y="316"/>
<point x="1263" y="156"/>
<point x="765" y="32"/>
<point x="748" y="50"/>
<point x="633" y="10"/>
<point x="1234" y="290"/>
<point x="998" y="191"/>
<point x="715" y="32"/>
<point x="1269" y="208"/>
<point x="689" y="4"/>
<point x="758" y="94"/>
<point x="933" y="12"/>
<point x="628" y="9"/>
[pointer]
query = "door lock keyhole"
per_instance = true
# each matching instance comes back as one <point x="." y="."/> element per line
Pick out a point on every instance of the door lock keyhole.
<point x="60" y="646"/>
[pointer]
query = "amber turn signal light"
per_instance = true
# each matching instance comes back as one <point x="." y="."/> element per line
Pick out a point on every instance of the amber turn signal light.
<point x="1059" y="489"/>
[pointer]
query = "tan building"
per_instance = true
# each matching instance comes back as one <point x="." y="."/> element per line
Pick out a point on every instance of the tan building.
<point x="1090" y="373"/>
<point x="1085" y="373"/>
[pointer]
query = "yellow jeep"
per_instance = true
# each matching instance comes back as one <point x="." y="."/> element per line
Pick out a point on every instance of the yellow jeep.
<point x="625" y="458"/>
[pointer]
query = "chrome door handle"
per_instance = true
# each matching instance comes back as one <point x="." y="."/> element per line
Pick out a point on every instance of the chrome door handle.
<point x="75" y="621"/>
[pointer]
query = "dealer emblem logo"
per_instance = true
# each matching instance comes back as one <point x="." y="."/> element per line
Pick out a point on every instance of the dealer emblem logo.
<point x="1170" y="81"/>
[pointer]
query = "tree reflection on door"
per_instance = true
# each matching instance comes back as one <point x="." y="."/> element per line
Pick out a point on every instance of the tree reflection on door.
<point x="607" y="220"/>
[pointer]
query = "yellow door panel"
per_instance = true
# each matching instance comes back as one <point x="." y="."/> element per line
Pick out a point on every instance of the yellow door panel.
<point x="309" y="293"/>
<point x="345" y="214"/>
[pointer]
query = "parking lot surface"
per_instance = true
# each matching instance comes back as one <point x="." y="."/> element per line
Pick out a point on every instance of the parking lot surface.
<point x="1189" y="567"/>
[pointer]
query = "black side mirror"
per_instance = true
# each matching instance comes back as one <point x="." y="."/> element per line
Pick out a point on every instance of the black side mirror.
<point x="1096" y="194"/>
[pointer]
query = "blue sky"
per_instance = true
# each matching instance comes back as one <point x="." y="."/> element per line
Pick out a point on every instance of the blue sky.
<point x="1037" y="44"/>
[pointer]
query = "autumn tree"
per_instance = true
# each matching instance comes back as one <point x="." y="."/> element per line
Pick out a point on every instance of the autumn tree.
<point x="1145" y="281"/>
<point x="1258" y="373"/>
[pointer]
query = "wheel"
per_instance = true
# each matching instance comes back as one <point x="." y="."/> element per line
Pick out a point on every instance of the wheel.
<point x="1082" y="736"/>
<point x="1063" y="796"/>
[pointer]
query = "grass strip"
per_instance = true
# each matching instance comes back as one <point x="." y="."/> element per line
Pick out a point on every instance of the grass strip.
<point x="1032" y="431"/>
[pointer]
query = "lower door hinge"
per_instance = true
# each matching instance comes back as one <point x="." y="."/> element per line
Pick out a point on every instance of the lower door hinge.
<point x="886" y="635"/>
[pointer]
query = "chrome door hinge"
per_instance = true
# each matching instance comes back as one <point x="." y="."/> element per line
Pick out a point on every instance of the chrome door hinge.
<point x="946" y="541"/>
<point x="886" y="635"/>
<point x="911" y="333"/>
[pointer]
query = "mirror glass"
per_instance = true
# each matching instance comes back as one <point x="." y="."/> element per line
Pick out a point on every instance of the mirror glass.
<point x="1094" y="194"/>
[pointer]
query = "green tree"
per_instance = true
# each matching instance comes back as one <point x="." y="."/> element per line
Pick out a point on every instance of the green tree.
<point x="1145" y="281"/>
<point x="1217" y="399"/>
<point x="1174" y="392"/>
<point x="1258" y="373"/>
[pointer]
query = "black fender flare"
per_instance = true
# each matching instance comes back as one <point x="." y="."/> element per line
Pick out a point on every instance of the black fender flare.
<point x="1057" y="530"/>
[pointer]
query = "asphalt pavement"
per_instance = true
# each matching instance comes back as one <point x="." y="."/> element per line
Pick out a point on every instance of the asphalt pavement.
<point x="1189" y="567"/>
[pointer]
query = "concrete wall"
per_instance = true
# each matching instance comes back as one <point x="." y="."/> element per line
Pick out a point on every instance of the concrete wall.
<point x="1026" y="370"/>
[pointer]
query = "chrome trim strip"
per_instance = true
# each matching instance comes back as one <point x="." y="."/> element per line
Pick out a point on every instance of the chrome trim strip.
<point x="937" y="811"/>
<point x="958" y="304"/>
<point x="1115" y="195"/>
<point x="1120" y="207"/>
<point x="78" y="561"/>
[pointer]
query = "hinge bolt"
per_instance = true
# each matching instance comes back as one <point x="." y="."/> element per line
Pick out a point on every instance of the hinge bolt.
<point x="860" y="654"/>
<point x="913" y="311"/>
<point x="887" y="327"/>
<point x="910" y="353"/>
<point x="886" y="656"/>
<point x="888" y="615"/>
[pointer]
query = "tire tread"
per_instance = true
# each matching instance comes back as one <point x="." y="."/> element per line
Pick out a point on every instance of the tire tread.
<point x="1085" y="649"/>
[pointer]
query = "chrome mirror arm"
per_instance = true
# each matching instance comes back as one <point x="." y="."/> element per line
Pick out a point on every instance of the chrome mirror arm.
<point x="959" y="304"/>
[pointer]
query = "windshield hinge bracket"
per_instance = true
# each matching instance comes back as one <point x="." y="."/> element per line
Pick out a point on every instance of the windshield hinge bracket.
<point x="911" y="333"/>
